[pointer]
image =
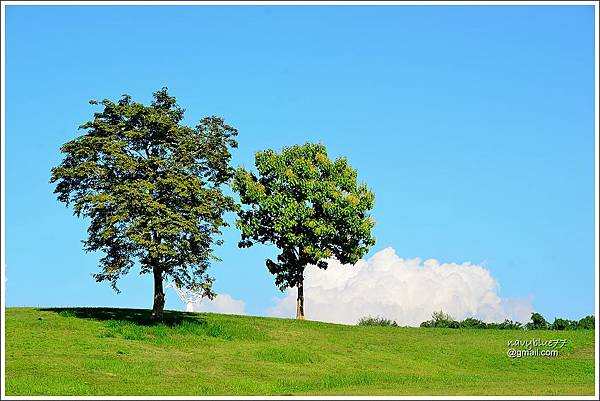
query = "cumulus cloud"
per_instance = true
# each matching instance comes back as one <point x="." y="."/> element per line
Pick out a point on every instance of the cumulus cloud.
<point x="222" y="303"/>
<point x="404" y="290"/>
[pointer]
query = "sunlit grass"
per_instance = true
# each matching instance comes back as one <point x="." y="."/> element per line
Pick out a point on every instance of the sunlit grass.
<point x="88" y="351"/>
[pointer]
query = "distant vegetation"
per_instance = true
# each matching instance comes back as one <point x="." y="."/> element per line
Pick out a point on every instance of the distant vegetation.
<point x="376" y="321"/>
<point x="310" y="206"/>
<point x="441" y="319"/>
<point x="537" y="322"/>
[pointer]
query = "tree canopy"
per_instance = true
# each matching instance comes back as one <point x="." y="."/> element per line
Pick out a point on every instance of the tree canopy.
<point x="151" y="188"/>
<point x="309" y="206"/>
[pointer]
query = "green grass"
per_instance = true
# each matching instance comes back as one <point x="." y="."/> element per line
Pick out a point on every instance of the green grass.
<point x="101" y="351"/>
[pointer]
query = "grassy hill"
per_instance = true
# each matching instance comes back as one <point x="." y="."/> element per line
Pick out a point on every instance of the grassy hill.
<point x="102" y="351"/>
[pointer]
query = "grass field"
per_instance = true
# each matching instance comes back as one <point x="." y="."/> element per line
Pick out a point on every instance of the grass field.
<point x="96" y="351"/>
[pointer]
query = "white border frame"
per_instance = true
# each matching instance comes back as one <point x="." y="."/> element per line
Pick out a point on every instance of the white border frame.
<point x="287" y="3"/>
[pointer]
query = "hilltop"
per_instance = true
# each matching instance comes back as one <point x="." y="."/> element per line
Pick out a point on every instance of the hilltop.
<point x="105" y="351"/>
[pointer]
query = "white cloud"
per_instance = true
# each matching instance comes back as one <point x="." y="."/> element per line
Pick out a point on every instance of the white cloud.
<point x="222" y="303"/>
<point x="404" y="290"/>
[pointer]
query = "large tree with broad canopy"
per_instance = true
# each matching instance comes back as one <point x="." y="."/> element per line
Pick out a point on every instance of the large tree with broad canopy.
<point x="151" y="189"/>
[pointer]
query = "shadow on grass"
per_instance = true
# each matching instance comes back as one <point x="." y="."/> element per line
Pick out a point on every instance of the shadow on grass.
<point x="138" y="316"/>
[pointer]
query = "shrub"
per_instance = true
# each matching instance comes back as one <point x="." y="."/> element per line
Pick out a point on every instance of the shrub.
<point x="563" y="324"/>
<point x="537" y="322"/>
<point x="376" y="321"/>
<point x="66" y="313"/>
<point x="471" y="323"/>
<point x="509" y="325"/>
<point x="587" y="323"/>
<point x="441" y="319"/>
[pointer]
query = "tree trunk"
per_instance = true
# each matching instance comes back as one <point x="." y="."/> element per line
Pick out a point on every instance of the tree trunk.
<point x="159" y="296"/>
<point x="300" y="301"/>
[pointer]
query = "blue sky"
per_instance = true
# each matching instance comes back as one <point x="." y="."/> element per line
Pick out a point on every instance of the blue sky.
<point x="474" y="126"/>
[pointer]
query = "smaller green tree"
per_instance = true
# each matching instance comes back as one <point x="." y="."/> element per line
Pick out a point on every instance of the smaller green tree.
<point x="441" y="319"/>
<point x="310" y="207"/>
<point x="472" y="323"/>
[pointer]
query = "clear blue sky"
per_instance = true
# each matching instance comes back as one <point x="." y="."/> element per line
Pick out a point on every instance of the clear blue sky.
<point x="474" y="126"/>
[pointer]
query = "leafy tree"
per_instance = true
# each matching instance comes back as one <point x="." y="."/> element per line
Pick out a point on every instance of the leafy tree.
<point x="537" y="322"/>
<point x="441" y="319"/>
<point x="587" y="323"/>
<point x="152" y="189"/>
<point x="309" y="206"/>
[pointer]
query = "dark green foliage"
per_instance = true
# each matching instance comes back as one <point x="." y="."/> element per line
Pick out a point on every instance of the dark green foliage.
<point x="441" y="319"/>
<point x="427" y="323"/>
<point x="151" y="189"/>
<point x="537" y="322"/>
<point x="505" y="325"/>
<point x="309" y="206"/>
<point x="563" y="324"/>
<point x="587" y="323"/>
<point x="376" y="321"/>
<point x="471" y="323"/>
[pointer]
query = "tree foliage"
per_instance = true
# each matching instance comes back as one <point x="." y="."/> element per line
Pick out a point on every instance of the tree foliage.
<point x="376" y="321"/>
<point x="151" y="188"/>
<point x="309" y="206"/>
<point x="537" y="322"/>
<point x="441" y="319"/>
<point x="587" y="323"/>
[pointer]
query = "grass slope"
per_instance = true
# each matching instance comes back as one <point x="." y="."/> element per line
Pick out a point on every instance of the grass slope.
<point x="101" y="351"/>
